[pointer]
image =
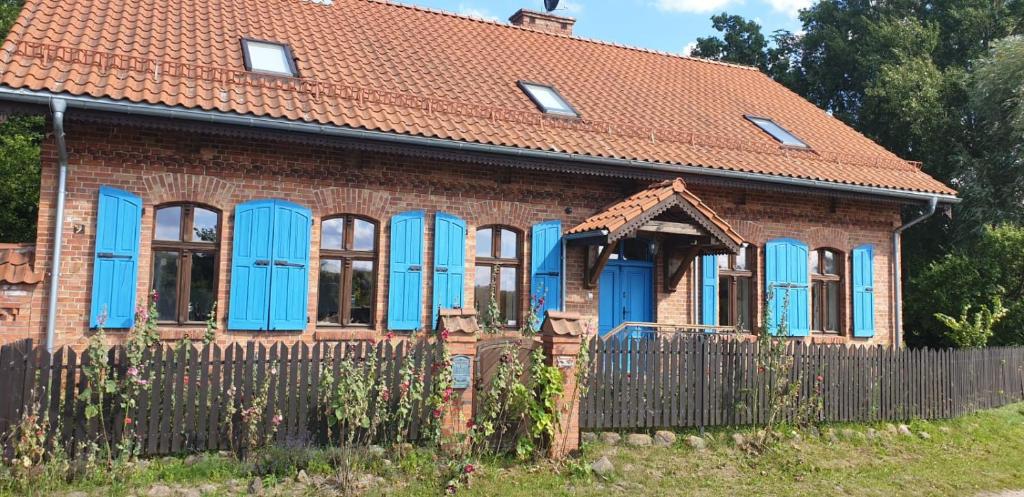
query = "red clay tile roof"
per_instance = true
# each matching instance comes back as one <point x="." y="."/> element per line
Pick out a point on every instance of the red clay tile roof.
<point x="379" y="66"/>
<point x="16" y="264"/>
<point x="622" y="218"/>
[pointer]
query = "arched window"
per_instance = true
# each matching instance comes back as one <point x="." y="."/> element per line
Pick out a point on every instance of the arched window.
<point x="498" y="272"/>
<point x="736" y="288"/>
<point x="348" y="271"/>
<point x="186" y="240"/>
<point x="826" y="290"/>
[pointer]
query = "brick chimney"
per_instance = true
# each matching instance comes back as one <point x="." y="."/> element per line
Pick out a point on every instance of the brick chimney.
<point x="542" y="21"/>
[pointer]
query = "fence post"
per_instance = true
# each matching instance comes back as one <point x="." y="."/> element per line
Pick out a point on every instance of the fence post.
<point x="562" y="336"/>
<point x="462" y="329"/>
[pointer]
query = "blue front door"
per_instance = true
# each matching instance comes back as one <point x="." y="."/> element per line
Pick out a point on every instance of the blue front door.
<point x="625" y="294"/>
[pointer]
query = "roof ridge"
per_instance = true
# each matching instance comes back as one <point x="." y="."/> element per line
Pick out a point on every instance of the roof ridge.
<point x="596" y="41"/>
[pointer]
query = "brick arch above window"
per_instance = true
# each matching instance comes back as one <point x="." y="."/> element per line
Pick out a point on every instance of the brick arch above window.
<point x="497" y="212"/>
<point x="177" y="188"/>
<point x="364" y="203"/>
<point x="828" y="238"/>
<point x="751" y="232"/>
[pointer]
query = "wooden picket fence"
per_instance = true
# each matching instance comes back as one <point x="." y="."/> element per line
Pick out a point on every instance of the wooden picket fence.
<point x="698" y="381"/>
<point x="185" y="409"/>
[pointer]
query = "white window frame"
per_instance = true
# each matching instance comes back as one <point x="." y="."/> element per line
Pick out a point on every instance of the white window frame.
<point x="775" y="130"/>
<point x="286" y="53"/>
<point x="538" y="93"/>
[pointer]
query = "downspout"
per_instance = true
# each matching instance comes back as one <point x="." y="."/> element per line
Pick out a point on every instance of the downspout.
<point x="897" y="296"/>
<point x="57" y="106"/>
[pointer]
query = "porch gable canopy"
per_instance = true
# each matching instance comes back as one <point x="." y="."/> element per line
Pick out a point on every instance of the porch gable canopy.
<point x="666" y="208"/>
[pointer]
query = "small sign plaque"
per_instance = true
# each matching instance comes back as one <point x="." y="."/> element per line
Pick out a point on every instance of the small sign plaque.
<point x="566" y="362"/>
<point x="460" y="372"/>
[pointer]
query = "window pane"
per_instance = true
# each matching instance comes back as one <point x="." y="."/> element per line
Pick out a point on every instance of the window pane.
<point x="743" y="298"/>
<point x="332" y="234"/>
<point x="816" y="309"/>
<point x="168" y="224"/>
<point x="268" y="57"/>
<point x="165" y="282"/>
<point x="815" y="259"/>
<point x="832" y="305"/>
<point x="204" y="225"/>
<point x="509" y="245"/>
<point x="200" y="292"/>
<point x="830" y="262"/>
<point x="723" y="262"/>
<point x="636" y="249"/>
<point x="329" y="296"/>
<point x="482" y="290"/>
<point x="509" y="296"/>
<point x="724" y="302"/>
<point x="742" y="259"/>
<point x="778" y="132"/>
<point x="548" y="99"/>
<point x="362" y="292"/>
<point x="364" y="236"/>
<point x="485" y="243"/>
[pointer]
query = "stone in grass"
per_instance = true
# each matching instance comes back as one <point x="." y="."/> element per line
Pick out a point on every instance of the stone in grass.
<point x="891" y="429"/>
<point x="850" y="433"/>
<point x="602" y="466"/>
<point x="696" y="442"/>
<point x="924" y="435"/>
<point x="375" y="451"/>
<point x="872" y="433"/>
<point x="302" y="477"/>
<point x="664" y="438"/>
<point x="588" y="437"/>
<point x="905" y="430"/>
<point x="611" y="438"/>
<point x="639" y="440"/>
<point x="256" y="486"/>
<point x="739" y="440"/>
<point x="160" y="491"/>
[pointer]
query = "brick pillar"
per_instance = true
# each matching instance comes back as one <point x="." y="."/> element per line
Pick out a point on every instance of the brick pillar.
<point x="561" y="336"/>
<point x="462" y="329"/>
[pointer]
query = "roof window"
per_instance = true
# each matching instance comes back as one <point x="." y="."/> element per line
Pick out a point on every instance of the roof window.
<point x="548" y="99"/>
<point x="268" y="57"/>
<point x="778" y="132"/>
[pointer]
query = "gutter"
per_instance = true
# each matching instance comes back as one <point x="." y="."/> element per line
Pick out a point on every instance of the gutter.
<point x="58" y="106"/>
<point x="897" y="262"/>
<point x="234" y="119"/>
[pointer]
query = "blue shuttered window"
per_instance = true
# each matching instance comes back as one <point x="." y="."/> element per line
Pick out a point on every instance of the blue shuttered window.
<point x="546" y="267"/>
<point x="449" y="263"/>
<point x="270" y="266"/>
<point x="709" y="290"/>
<point x="405" y="286"/>
<point x="864" y="291"/>
<point x="116" y="261"/>
<point x="786" y="284"/>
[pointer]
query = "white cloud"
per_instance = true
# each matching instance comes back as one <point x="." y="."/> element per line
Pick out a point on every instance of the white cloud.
<point x="696" y="6"/>
<point x="688" y="48"/>
<point x="473" y="11"/>
<point x="789" y="7"/>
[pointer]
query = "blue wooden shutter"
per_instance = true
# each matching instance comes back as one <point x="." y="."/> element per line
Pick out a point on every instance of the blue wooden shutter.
<point x="116" y="261"/>
<point x="709" y="290"/>
<point x="405" y="281"/>
<point x="289" y="280"/>
<point x="864" y="291"/>
<point x="546" y="267"/>
<point x="249" y="304"/>
<point x="786" y="283"/>
<point x="449" y="263"/>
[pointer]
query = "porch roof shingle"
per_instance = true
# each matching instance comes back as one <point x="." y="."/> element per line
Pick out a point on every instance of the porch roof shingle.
<point x="646" y="204"/>
<point x="16" y="264"/>
<point x="380" y="66"/>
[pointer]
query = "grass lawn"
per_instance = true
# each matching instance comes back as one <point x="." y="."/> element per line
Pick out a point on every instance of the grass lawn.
<point x="963" y="457"/>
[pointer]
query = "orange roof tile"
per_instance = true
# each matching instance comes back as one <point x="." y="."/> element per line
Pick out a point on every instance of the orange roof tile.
<point x="626" y="216"/>
<point x="16" y="264"/>
<point x="380" y="66"/>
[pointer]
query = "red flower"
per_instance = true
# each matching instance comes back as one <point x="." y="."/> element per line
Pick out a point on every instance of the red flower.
<point x="186" y="379"/>
<point x="444" y="335"/>
<point x="437" y="413"/>
<point x="469" y="469"/>
<point x="470" y="424"/>
<point x="820" y="378"/>
<point x="127" y="421"/>
<point x="389" y="336"/>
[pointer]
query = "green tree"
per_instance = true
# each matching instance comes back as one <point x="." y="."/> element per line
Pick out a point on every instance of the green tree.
<point x="988" y="271"/>
<point x="742" y="42"/>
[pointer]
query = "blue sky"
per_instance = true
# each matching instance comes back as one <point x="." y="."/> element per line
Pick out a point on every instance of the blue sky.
<point x="667" y="25"/>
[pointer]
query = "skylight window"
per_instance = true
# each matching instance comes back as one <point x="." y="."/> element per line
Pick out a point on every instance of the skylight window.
<point x="268" y="57"/>
<point x="778" y="132"/>
<point x="548" y="99"/>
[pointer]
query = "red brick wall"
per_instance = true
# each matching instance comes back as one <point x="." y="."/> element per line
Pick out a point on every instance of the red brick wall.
<point x="163" y="166"/>
<point x="16" y="305"/>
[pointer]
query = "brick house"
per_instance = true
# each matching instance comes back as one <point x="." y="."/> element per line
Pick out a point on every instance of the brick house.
<point x="337" y="170"/>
